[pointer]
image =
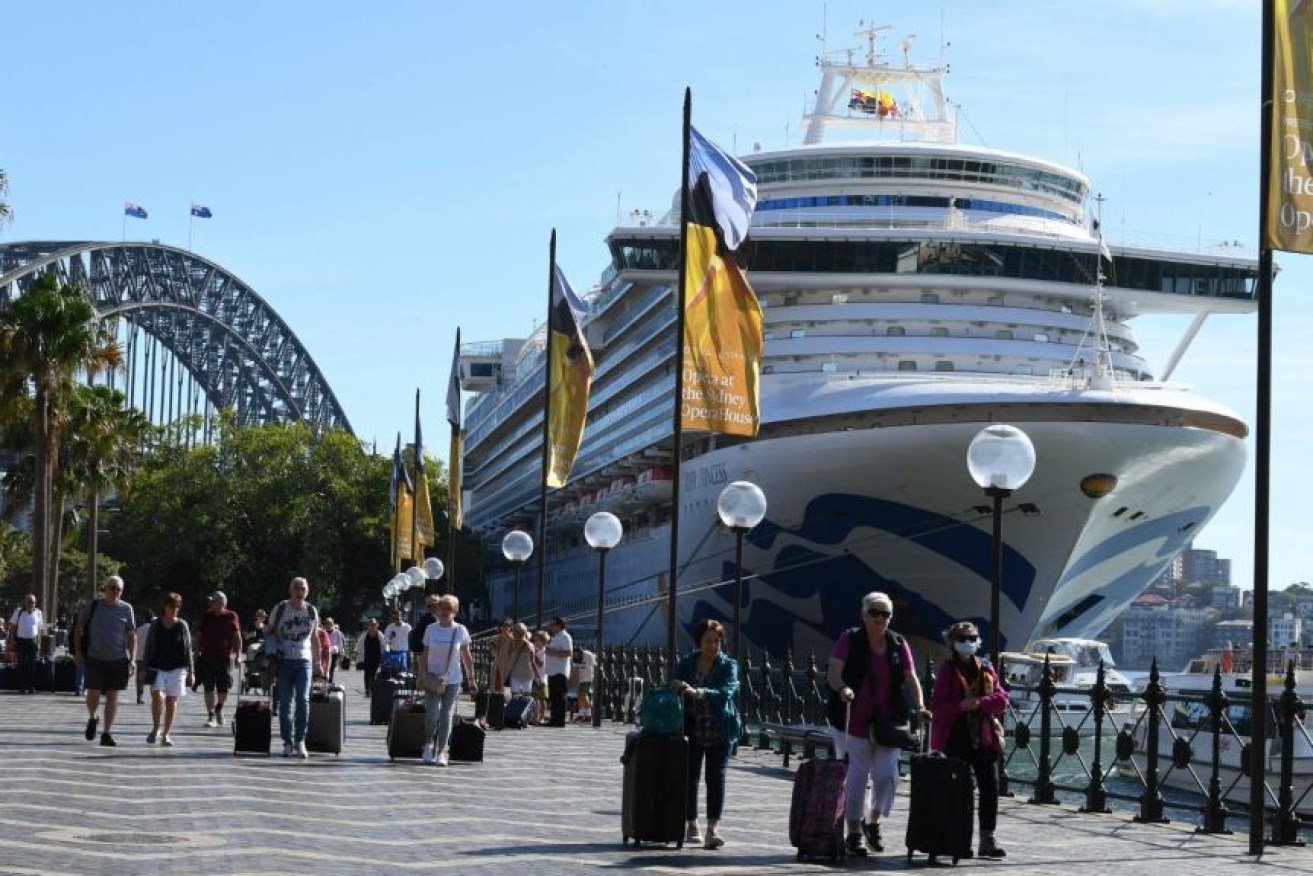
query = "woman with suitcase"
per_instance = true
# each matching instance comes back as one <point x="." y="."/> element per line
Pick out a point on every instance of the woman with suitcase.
<point x="445" y="663"/>
<point x="709" y="682"/>
<point x="966" y="701"/>
<point x="871" y="667"/>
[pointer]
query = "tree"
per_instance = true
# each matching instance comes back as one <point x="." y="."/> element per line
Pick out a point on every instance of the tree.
<point x="5" y="212"/>
<point x="104" y="440"/>
<point x="48" y="336"/>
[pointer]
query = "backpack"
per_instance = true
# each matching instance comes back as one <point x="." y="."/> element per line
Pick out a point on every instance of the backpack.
<point x="661" y="713"/>
<point x="84" y="632"/>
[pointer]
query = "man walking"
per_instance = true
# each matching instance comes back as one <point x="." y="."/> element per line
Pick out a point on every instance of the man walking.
<point x="25" y="631"/>
<point x="295" y="624"/>
<point x="218" y="644"/>
<point x="104" y="644"/>
<point x="560" y="649"/>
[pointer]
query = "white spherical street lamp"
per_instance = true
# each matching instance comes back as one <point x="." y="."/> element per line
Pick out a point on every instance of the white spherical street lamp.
<point x="603" y="532"/>
<point x="741" y="506"/>
<point x="517" y="547"/>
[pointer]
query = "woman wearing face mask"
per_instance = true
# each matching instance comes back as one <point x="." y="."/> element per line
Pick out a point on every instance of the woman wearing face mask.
<point x="965" y="702"/>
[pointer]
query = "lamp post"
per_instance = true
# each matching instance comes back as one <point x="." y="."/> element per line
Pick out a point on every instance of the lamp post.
<point x="741" y="506"/>
<point x="1000" y="459"/>
<point x="433" y="571"/>
<point x="602" y="532"/>
<point x="517" y="547"/>
<point x="414" y="581"/>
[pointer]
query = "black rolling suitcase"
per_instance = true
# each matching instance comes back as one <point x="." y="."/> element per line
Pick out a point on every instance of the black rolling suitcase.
<point x="252" y="727"/>
<point x="326" y="725"/>
<point x="491" y="707"/>
<point x="383" y="695"/>
<point x="406" y="728"/>
<point x="654" y="800"/>
<point x="941" y="812"/>
<point x="466" y="741"/>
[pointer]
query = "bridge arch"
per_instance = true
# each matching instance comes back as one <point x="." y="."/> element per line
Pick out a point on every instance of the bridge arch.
<point x="238" y="352"/>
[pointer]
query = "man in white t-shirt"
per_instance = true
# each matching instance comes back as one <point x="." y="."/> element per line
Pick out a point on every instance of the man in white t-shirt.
<point x="396" y="635"/>
<point x="25" y="630"/>
<point x="295" y="623"/>
<point x="560" y="650"/>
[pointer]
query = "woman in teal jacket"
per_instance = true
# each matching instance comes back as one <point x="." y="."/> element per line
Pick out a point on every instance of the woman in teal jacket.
<point x="709" y="681"/>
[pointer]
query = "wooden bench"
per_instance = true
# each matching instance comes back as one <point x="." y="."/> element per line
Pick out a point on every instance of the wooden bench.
<point x="808" y="738"/>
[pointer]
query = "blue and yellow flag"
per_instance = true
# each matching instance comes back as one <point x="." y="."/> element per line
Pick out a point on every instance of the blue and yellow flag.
<point x="424" y="528"/>
<point x="403" y="509"/>
<point x="723" y="335"/>
<point x="569" y="381"/>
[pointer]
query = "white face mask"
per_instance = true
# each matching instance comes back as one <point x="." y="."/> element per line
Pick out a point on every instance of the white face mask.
<point x="966" y="649"/>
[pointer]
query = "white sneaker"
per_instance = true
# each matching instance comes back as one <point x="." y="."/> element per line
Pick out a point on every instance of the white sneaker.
<point x="166" y="742"/>
<point x="443" y="759"/>
<point x="288" y="749"/>
<point x="211" y="722"/>
<point x="300" y="750"/>
<point x="427" y="756"/>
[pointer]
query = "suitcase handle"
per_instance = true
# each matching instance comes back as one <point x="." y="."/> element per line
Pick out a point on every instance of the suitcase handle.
<point x="842" y="740"/>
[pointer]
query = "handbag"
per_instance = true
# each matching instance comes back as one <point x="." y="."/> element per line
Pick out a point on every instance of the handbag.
<point x="890" y="734"/>
<point x="346" y="662"/>
<point x="1000" y="744"/>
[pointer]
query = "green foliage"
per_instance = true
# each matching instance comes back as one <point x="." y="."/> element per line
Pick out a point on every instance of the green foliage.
<point x="247" y="514"/>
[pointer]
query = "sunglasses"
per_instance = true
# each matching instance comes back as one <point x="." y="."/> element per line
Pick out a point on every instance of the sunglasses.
<point x="968" y="638"/>
<point x="878" y="612"/>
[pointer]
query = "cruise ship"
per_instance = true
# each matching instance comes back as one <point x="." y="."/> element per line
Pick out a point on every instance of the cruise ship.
<point x="914" y="290"/>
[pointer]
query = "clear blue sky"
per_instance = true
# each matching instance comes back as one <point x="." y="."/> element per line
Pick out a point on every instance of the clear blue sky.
<point x="382" y="173"/>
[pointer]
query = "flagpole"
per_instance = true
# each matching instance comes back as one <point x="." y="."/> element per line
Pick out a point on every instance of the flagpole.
<point x="190" y="219"/>
<point x="1262" y="442"/>
<point x="123" y="237"/>
<point x="416" y="549"/>
<point x="453" y="483"/>
<point x="672" y="606"/>
<point x="547" y="432"/>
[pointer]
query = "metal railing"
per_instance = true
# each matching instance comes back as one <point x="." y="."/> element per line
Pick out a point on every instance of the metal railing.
<point x="1158" y="752"/>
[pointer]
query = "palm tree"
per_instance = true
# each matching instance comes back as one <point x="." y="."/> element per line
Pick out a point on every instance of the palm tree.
<point x="5" y="211"/>
<point x="48" y="335"/>
<point x="104" y="440"/>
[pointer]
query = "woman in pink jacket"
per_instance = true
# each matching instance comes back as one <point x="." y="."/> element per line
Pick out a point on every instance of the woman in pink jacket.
<point x="966" y="702"/>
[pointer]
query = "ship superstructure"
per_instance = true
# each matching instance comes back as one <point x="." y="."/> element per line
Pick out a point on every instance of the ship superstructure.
<point x="914" y="290"/>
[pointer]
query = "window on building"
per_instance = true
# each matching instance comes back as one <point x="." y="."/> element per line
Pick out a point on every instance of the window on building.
<point x="895" y="331"/>
<point x="906" y="365"/>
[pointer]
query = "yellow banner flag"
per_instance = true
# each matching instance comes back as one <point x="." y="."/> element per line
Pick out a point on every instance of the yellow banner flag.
<point x="424" y="528"/>
<point x="569" y="380"/>
<point x="722" y="342"/>
<point x="454" y="482"/>
<point x="402" y="522"/>
<point x="1289" y="221"/>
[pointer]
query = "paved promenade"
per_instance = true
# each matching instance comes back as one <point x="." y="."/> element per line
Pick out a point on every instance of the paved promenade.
<point x="545" y="801"/>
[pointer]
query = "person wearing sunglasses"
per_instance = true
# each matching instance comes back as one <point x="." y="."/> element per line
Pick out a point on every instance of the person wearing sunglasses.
<point x="966" y="701"/>
<point x="871" y="668"/>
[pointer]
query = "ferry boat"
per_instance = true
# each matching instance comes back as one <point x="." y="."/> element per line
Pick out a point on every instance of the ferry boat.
<point x="1188" y="721"/>
<point x="914" y="290"/>
<point x="1074" y="666"/>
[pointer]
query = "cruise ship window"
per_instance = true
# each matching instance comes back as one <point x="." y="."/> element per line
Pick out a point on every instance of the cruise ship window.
<point x="895" y="331"/>
<point x="1041" y="337"/>
<point x="944" y="365"/>
<point x="1004" y="334"/>
<point x="994" y="301"/>
<point x="768" y="369"/>
<point x="929" y="298"/>
<point x="839" y="298"/>
<point x="769" y="335"/>
<point x="829" y="367"/>
<point x="1023" y="369"/>
<point x="906" y="365"/>
<point x="798" y="333"/>
<point x="939" y="332"/>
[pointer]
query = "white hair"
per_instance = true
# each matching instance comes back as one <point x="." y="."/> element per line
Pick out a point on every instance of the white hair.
<point x="876" y="599"/>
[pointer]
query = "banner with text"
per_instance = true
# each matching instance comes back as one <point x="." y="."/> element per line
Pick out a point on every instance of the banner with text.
<point x="1289" y="221"/>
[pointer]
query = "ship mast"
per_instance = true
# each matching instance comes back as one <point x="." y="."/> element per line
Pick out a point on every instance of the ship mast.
<point x="911" y="103"/>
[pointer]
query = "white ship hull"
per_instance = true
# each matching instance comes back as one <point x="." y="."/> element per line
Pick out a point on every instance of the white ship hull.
<point x="893" y="509"/>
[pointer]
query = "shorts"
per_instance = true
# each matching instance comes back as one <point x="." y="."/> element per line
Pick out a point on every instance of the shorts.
<point x="215" y="675"/>
<point x="585" y="689"/>
<point x="171" y="682"/>
<point x="107" y="675"/>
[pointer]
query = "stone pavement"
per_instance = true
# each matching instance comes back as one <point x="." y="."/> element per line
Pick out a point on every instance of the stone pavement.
<point x="545" y="801"/>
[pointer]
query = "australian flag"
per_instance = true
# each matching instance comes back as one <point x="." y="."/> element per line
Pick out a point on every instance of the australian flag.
<point x="131" y="209"/>
<point x="200" y="211"/>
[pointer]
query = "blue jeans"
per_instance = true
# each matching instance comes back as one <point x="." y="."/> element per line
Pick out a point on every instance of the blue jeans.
<point x="439" y="712"/>
<point x="717" y="759"/>
<point x="293" y="678"/>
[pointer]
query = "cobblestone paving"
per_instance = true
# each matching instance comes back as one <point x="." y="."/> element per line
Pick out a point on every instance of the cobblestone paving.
<point x="545" y="801"/>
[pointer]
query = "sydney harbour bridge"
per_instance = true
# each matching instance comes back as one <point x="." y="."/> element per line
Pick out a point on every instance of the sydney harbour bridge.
<point x="196" y="338"/>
